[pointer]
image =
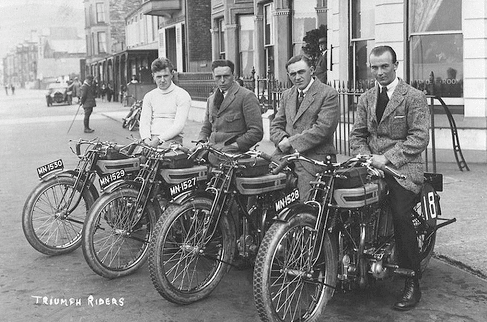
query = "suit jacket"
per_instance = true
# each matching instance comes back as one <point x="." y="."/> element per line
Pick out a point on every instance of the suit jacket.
<point x="402" y="134"/>
<point x="87" y="96"/>
<point x="237" y="120"/>
<point x="312" y="127"/>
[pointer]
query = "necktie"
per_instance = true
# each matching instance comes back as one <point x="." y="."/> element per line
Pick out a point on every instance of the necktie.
<point x="381" y="103"/>
<point x="218" y="99"/>
<point x="299" y="100"/>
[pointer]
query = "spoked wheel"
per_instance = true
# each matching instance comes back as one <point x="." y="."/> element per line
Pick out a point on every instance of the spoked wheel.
<point x="289" y="283"/>
<point x="132" y="124"/>
<point x="52" y="218"/>
<point x="186" y="261"/>
<point x="117" y="233"/>
<point x="426" y="236"/>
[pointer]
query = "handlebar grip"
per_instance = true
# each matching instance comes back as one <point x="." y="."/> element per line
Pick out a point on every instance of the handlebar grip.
<point x="393" y="172"/>
<point x="78" y="148"/>
<point x="280" y="167"/>
<point x="266" y="156"/>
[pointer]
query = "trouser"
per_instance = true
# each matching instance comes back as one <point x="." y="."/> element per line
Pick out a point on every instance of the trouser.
<point x="402" y="202"/>
<point x="306" y="175"/>
<point x="86" y="120"/>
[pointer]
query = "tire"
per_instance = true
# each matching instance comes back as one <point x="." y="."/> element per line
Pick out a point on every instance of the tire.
<point x="280" y="292"/>
<point x="426" y="238"/>
<point x="177" y="248"/>
<point x="132" y="124"/>
<point x="44" y="222"/>
<point x="115" y="242"/>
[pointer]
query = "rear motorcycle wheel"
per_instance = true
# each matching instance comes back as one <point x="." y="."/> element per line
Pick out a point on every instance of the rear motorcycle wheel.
<point x="286" y="287"/>
<point x="186" y="265"/>
<point x="52" y="223"/>
<point x="116" y="235"/>
<point x="426" y="237"/>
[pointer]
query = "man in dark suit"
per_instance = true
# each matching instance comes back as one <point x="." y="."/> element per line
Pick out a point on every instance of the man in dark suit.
<point x="392" y="124"/>
<point x="306" y="120"/>
<point x="321" y="68"/>
<point x="233" y="119"/>
<point x="88" y="101"/>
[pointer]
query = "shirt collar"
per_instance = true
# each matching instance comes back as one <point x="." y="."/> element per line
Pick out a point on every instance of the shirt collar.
<point x="307" y="87"/>
<point x="391" y="87"/>
<point x="169" y="89"/>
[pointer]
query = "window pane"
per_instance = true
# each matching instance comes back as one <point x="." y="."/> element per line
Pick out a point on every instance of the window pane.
<point x="304" y="20"/>
<point x="436" y="15"/>
<point x="363" y="77"/>
<point x="268" y="25"/>
<point x="439" y="57"/>
<point x="246" y="38"/>
<point x="363" y="19"/>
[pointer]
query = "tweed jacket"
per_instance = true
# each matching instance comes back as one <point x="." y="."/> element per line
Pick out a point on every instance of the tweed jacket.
<point x="87" y="95"/>
<point x="402" y="134"/>
<point x="311" y="128"/>
<point x="237" y="120"/>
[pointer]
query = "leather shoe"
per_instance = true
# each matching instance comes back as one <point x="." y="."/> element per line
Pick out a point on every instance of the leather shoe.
<point x="89" y="131"/>
<point x="410" y="295"/>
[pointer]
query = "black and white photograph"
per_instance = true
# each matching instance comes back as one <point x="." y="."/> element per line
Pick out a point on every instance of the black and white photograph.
<point x="243" y="160"/>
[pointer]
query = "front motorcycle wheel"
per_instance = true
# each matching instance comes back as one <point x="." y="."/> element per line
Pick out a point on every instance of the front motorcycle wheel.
<point x="52" y="221"/>
<point x="117" y="233"/>
<point x="185" y="263"/>
<point x="287" y="287"/>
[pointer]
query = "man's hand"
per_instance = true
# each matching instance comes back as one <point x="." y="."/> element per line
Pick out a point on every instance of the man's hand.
<point x="379" y="161"/>
<point x="153" y="142"/>
<point x="284" y="145"/>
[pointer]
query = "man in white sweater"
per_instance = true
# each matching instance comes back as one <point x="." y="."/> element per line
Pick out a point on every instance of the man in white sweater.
<point x="165" y="109"/>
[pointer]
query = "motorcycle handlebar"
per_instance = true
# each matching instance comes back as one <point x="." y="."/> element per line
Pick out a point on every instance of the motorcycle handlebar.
<point x="280" y="167"/>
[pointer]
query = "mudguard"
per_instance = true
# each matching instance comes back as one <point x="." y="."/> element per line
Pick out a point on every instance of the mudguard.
<point x="119" y="185"/>
<point x="293" y="210"/>
<point x="71" y="174"/>
<point x="185" y="196"/>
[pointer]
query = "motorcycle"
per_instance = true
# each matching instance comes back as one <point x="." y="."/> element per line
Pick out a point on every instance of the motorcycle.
<point x="120" y="223"/>
<point x="341" y="238"/>
<point x="54" y="212"/>
<point x="132" y="120"/>
<point x="195" y="241"/>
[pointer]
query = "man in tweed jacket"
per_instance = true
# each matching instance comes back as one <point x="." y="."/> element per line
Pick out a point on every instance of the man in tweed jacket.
<point x="309" y="127"/>
<point x="396" y="139"/>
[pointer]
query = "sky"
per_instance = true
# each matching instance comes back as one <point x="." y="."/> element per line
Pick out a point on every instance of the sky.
<point x="19" y="17"/>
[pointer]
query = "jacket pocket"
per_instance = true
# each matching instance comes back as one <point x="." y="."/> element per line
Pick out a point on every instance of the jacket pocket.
<point x="399" y="127"/>
<point x="232" y="117"/>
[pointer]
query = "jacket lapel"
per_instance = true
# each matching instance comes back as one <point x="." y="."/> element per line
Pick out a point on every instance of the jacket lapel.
<point x="396" y="99"/>
<point x="229" y="97"/>
<point x="307" y="101"/>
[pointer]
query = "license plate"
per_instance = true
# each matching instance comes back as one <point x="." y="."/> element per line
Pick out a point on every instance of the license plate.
<point x="182" y="186"/>
<point x="287" y="200"/>
<point x="50" y="167"/>
<point x="110" y="178"/>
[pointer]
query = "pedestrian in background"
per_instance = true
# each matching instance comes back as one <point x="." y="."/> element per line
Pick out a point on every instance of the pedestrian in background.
<point x="392" y="124"/>
<point x="165" y="109"/>
<point x="88" y="101"/>
<point x="321" y="68"/>
<point x="6" y="89"/>
<point x="76" y="88"/>
<point x="232" y="120"/>
<point x="12" y="88"/>
<point x="306" y="121"/>
<point x="109" y="92"/>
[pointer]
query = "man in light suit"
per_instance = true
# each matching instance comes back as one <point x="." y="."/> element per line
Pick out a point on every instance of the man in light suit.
<point x="306" y="121"/>
<point x="233" y="119"/>
<point x="392" y="124"/>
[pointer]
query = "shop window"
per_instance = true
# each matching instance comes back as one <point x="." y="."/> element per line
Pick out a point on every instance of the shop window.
<point x="436" y="47"/>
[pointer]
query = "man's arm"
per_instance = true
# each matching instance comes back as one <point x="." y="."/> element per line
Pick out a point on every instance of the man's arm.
<point x="360" y="131"/>
<point x="278" y="124"/>
<point x="145" y="118"/>
<point x="253" y="121"/>
<point x="206" y="127"/>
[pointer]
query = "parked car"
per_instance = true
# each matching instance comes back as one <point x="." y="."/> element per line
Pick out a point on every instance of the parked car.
<point x="60" y="93"/>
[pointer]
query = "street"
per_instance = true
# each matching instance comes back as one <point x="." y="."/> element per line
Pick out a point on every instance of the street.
<point x="35" y="287"/>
